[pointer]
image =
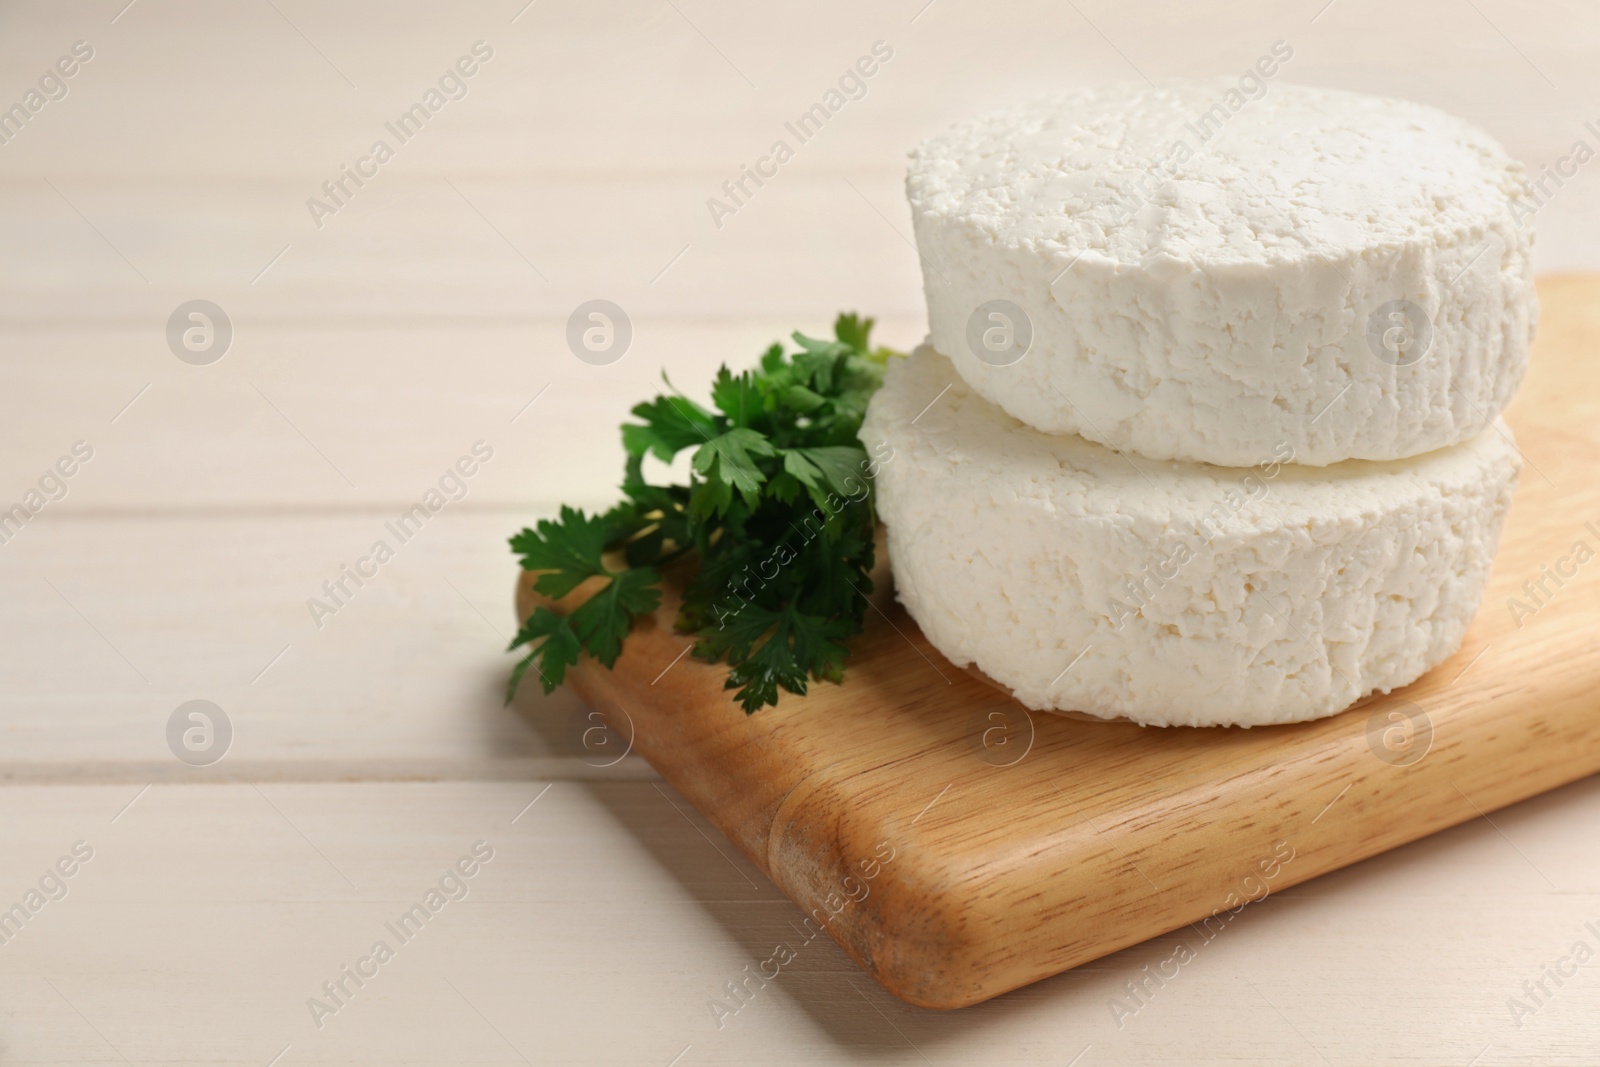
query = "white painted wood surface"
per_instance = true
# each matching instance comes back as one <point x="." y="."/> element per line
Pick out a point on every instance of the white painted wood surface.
<point x="369" y="354"/>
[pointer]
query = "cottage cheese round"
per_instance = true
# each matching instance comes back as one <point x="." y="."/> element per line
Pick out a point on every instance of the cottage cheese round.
<point x="1197" y="271"/>
<point x="1175" y="593"/>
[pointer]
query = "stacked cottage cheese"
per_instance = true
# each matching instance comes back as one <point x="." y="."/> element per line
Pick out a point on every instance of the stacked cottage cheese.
<point x="1206" y="430"/>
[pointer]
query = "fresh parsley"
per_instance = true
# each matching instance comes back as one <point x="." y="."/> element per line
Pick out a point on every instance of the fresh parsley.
<point x="778" y="513"/>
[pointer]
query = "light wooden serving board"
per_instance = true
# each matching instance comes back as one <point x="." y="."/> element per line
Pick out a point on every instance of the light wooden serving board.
<point x="958" y="847"/>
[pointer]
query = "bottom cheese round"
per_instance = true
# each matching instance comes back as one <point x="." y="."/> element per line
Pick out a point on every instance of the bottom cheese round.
<point x="1175" y="593"/>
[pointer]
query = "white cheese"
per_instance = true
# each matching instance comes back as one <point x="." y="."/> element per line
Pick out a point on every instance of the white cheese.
<point x="1203" y="280"/>
<point x="1174" y="593"/>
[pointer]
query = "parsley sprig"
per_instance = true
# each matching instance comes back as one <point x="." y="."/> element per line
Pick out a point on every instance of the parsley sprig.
<point x="778" y="513"/>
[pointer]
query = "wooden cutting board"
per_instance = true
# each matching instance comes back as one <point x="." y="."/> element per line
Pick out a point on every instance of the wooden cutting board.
<point x="958" y="846"/>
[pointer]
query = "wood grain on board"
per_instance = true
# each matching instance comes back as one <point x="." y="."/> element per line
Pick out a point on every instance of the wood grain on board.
<point x="958" y="847"/>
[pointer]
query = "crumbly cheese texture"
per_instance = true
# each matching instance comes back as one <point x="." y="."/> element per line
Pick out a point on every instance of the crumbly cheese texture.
<point x="1175" y="593"/>
<point x="1206" y="272"/>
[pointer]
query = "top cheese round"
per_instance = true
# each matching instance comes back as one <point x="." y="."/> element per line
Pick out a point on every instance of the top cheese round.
<point x="1194" y="272"/>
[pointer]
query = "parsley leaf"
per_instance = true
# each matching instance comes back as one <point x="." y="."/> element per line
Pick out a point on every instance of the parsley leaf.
<point x="831" y="469"/>
<point x="671" y="424"/>
<point x="568" y="551"/>
<point x="602" y="621"/>
<point x="728" y="462"/>
<point x="555" y="650"/>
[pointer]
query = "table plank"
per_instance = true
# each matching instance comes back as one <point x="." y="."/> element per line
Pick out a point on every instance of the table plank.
<point x="612" y="916"/>
<point x="339" y="417"/>
<point x="112" y="622"/>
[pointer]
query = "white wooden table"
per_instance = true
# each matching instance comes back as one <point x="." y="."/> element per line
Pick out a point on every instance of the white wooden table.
<point x="371" y="754"/>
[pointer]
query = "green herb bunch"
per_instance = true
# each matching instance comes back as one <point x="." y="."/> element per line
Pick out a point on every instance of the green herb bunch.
<point x="778" y="512"/>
